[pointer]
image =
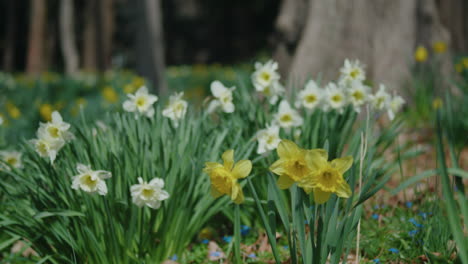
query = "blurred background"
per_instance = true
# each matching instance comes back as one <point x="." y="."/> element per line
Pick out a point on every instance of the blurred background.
<point x="307" y="37"/>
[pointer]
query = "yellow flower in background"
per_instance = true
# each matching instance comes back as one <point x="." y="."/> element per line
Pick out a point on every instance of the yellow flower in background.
<point x="291" y="166"/>
<point x="439" y="47"/>
<point x="45" y="110"/>
<point x="224" y="177"/>
<point x="12" y="110"/>
<point x="81" y="101"/>
<point x="459" y="67"/>
<point x="110" y="95"/>
<point x="437" y="103"/>
<point x="59" y="105"/>
<point x="420" y="55"/>
<point x="326" y="177"/>
<point x="138" y="82"/>
<point x="464" y="62"/>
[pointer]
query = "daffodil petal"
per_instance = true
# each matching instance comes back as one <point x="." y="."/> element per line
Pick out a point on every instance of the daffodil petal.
<point x="242" y="169"/>
<point x="240" y="197"/>
<point x="228" y="159"/>
<point x="215" y="192"/>
<point x="287" y="149"/>
<point x="277" y="167"/>
<point x="284" y="182"/>
<point x="342" y="164"/>
<point x="315" y="160"/>
<point x="343" y="190"/>
<point x="210" y="166"/>
<point x="320" y="196"/>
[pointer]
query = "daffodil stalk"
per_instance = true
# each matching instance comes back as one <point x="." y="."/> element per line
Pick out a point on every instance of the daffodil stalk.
<point x="237" y="235"/>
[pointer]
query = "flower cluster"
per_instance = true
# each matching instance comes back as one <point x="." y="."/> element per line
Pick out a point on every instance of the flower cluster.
<point x="312" y="171"/>
<point x="223" y="98"/>
<point x="90" y="181"/>
<point x="51" y="137"/>
<point x="266" y="80"/>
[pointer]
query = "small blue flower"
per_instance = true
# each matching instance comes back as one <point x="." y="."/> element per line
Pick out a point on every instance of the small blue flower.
<point x="376" y="206"/>
<point x="205" y="241"/>
<point x="306" y="222"/>
<point x="376" y="260"/>
<point x="413" y="221"/>
<point x="252" y="255"/>
<point x="215" y="254"/>
<point x="174" y="257"/>
<point x="413" y="232"/>
<point x="285" y="247"/>
<point x="409" y="204"/>
<point x="227" y="239"/>
<point x="375" y="216"/>
<point x="245" y="230"/>
<point x="394" y="250"/>
<point x="423" y="215"/>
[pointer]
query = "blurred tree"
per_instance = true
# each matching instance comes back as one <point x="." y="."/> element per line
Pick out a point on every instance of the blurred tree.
<point x="67" y="37"/>
<point x="37" y="33"/>
<point x="382" y="34"/>
<point x="149" y="44"/>
<point x="453" y="14"/>
<point x="10" y="35"/>
<point x="89" y="37"/>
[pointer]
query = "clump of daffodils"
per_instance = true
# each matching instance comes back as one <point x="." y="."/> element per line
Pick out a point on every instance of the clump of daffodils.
<point x="149" y="194"/>
<point x="140" y="103"/>
<point x="224" y="177"/>
<point x="266" y="80"/>
<point x="176" y="108"/>
<point x="223" y="98"/>
<point x="52" y="136"/>
<point x="89" y="180"/>
<point x="311" y="171"/>
<point x="11" y="159"/>
<point x="335" y="97"/>
<point x="310" y="97"/>
<point x="352" y="71"/>
<point x="268" y="139"/>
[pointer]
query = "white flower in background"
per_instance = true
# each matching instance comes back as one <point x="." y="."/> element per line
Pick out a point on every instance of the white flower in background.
<point x="394" y="106"/>
<point x="1" y="120"/>
<point x="273" y="92"/>
<point x="11" y="158"/>
<point x="381" y="99"/>
<point x="265" y="75"/>
<point x="90" y="181"/>
<point x="358" y="94"/>
<point x="150" y="194"/>
<point x="334" y="98"/>
<point x="287" y="117"/>
<point x="310" y="97"/>
<point x="51" y="137"/>
<point x="56" y="129"/>
<point x="352" y="71"/>
<point x="268" y="139"/>
<point x="223" y="98"/>
<point x="141" y="102"/>
<point x="176" y="109"/>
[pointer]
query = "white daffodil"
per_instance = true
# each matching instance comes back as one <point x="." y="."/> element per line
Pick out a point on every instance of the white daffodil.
<point x="223" y="98"/>
<point x="56" y="129"/>
<point x="334" y="98"/>
<point x="358" y="94"/>
<point x="394" y="106"/>
<point x="176" y="109"/>
<point x="11" y="158"/>
<point x="268" y="139"/>
<point x="150" y="194"/>
<point x="89" y="180"/>
<point x="273" y="92"/>
<point x="47" y="148"/>
<point x="141" y="103"/>
<point x="381" y="99"/>
<point x="310" y="97"/>
<point x="265" y="75"/>
<point x="287" y="117"/>
<point x="352" y="71"/>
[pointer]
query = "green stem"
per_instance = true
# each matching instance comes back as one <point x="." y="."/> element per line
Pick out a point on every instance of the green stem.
<point x="237" y="235"/>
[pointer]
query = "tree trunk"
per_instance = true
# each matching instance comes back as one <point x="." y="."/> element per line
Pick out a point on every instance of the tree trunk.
<point x="150" y="44"/>
<point x="382" y="34"/>
<point x="453" y="16"/>
<point x="89" y="37"/>
<point x="105" y="30"/>
<point x="9" y="52"/>
<point x="36" y="48"/>
<point x="67" y="34"/>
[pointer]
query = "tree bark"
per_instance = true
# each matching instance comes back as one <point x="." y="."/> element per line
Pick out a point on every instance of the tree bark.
<point x="89" y="37"/>
<point x="67" y="37"/>
<point x="382" y="34"/>
<point x="150" y="45"/>
<point x="36" y="48"/>
<point x="105" y="30"/>
<point x="453" y="16"/>
<point x="9" y="52"/>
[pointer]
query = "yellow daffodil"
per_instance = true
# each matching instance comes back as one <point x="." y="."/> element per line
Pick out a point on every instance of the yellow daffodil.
<point x="110" y="95"/>
<point x="464" y="62"/>
<point x="13" y="110"/>
<point x="420" y="55"/>
<point x="437" y="103"/>
<point x="291" y="166"/>
<point x="45" y="110"/>
<point x="326" y="177"/>
<point x="459" y="67"/>
<point x="224" y="176"/>
<point x="439" y="47"/>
